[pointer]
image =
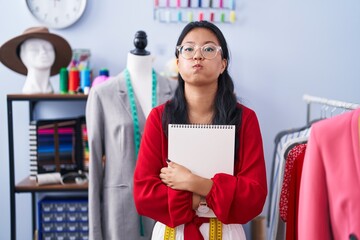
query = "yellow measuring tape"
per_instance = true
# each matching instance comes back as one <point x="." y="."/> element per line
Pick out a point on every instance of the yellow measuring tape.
<point x="215" y="231"/>
<point x="170" y="233"/>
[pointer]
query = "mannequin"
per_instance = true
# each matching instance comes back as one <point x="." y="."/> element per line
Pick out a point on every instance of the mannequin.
<point x="111" y="127"/>
<point x="38" y="56"/>
<point x="139" y="64"/>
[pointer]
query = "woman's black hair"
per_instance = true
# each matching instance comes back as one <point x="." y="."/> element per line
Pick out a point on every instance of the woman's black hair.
<point x="226" y="110"/>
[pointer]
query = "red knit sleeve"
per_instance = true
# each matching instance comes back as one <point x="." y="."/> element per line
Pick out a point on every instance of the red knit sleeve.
<point x="152" y="197"/>
<point x="240" y="198"/>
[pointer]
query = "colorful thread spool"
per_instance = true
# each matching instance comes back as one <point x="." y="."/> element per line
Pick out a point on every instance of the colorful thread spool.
<point x="190" y="16"/>
<point x="232" y="17"/>
<point x="222" y="18"/>
<point x="201" y="16"/>
<point x="74" y="80"/>
<point x="85" y="80"/>
<point x="64" y="80"/>
<point x="212" y="17"/>
<point x="103" y="76"/>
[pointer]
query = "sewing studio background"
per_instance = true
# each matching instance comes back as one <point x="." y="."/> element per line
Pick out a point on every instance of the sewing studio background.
<point x="280" y="51"/>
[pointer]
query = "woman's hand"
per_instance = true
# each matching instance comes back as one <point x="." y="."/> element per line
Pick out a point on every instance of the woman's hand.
<point x="176" y="176"/>
<point x="179" y="177"/>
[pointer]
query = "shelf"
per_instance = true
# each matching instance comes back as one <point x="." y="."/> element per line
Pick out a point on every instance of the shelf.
<point x="47" y="97"/>
<point x="28" y="185"/>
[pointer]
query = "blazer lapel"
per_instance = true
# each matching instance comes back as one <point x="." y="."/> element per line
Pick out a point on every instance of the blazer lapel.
<point x="163" y="90"/>
<point x="123" y="95"/>
<point x="124" y="98"/>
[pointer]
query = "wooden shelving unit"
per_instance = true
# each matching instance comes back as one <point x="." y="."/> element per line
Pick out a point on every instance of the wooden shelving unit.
<point x="27" y="185"/>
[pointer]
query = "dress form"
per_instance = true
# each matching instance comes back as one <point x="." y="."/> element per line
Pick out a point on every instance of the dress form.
<point x="139" y="65"/>
<point x="38" y="56"/>
<point x="110" y="128"/>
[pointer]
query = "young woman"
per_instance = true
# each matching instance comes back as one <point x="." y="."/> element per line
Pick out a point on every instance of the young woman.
<point x="171" y="193"/>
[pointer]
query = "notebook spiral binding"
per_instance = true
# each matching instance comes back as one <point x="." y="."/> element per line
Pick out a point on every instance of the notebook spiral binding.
<point x="205" y="126"/>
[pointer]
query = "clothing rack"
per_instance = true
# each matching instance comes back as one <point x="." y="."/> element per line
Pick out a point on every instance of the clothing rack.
<point x="285" y="139"/>
<point x="334" y="104"/>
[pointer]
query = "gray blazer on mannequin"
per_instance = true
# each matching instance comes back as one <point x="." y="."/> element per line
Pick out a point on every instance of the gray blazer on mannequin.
<point x="112" y="212"/>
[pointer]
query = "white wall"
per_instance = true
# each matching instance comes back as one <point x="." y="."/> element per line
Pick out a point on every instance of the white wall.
<point x="280" y="50"/>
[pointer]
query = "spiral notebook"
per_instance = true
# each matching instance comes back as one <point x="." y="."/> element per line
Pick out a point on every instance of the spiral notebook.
<point x="204" y="149"/>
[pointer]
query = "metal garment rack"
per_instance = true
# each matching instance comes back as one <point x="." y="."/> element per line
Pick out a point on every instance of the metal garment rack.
<point x="328" y="103"/>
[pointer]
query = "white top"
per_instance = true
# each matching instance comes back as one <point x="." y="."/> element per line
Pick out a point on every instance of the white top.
<point x="229" y="231"/>
<point x="140" y="69"/>
<point x="38" y="56"/>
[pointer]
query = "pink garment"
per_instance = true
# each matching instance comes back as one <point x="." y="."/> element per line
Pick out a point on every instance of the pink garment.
<point x="329" y="206"/>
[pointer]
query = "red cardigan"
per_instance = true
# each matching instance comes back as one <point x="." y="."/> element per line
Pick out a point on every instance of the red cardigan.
<point x="234" y="199"/>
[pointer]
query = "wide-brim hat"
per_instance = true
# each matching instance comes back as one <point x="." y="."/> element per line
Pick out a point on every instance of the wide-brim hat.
<point x="10" y="51"/>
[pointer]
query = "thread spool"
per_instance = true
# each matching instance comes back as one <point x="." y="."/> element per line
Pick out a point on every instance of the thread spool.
<point x="179" y="16"/>
<point x="74" y="80"/>
<point x="222" y="18"/>
<point x="104" y="72"/>
<point x="167" y="16"/>
<point x="103" y="76"/>
<point x="221" y="4"/>
<point x="48" y="178"/>
<point x="232" y="16"/>
<point x="85" y="80"/>
<point x="201" y="16"/>
<point x="190" y="16"/>
<point x="212" y="17"/>
<point x="64" y="80"/>
<point x="232" y="4"/>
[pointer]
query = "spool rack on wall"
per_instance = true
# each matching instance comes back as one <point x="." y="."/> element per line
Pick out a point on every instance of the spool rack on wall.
<point x="183" y="11"/>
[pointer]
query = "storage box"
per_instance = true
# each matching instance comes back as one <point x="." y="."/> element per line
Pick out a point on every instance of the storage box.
<point x="63" y="218"/>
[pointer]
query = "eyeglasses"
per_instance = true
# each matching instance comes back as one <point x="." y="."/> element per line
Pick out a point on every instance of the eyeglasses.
<point x="208" y="51"/>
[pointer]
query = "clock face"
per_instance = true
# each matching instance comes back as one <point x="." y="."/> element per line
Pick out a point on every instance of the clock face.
<point x="57" y="13"/>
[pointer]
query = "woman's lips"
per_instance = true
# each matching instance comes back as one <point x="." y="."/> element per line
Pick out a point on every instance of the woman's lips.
<point x="197" y="66"/>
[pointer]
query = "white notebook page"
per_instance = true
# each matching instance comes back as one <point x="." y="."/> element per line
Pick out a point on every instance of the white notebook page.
<point x="204" y="149"/>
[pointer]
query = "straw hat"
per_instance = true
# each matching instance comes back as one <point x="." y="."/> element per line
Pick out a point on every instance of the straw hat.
<point x="9" y="51"/>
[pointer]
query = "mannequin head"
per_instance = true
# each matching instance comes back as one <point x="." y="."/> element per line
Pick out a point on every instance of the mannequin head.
<point x="37" y="54"/>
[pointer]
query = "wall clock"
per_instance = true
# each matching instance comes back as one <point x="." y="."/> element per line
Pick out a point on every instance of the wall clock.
<point x="57" y="13"/>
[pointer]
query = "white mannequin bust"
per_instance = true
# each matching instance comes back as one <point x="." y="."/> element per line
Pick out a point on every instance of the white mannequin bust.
<point x="140" y="69"/>
<point x="38" y="56"/>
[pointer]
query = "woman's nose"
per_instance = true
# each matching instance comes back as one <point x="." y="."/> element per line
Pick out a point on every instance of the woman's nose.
<point x="198" y="55"/>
